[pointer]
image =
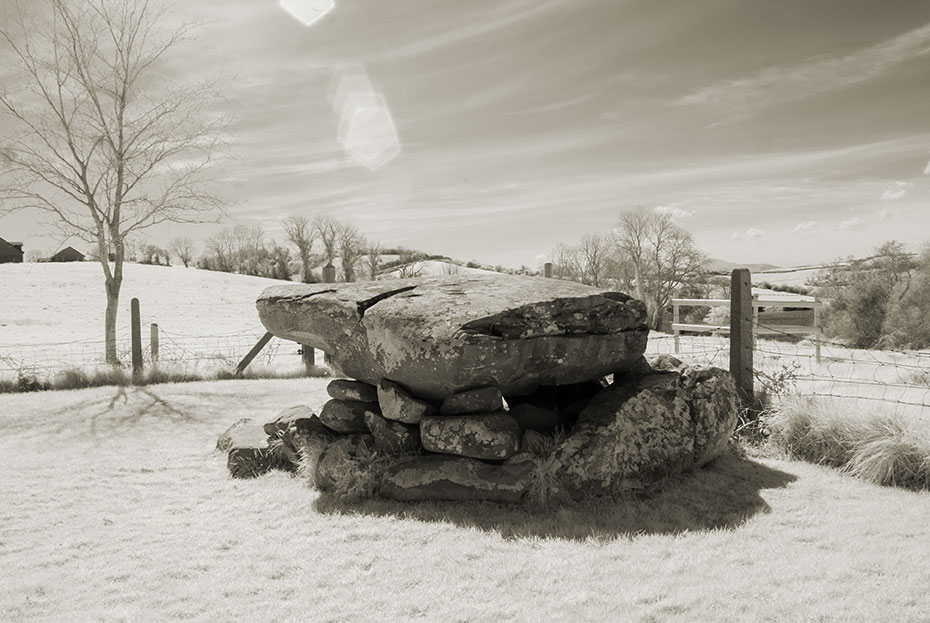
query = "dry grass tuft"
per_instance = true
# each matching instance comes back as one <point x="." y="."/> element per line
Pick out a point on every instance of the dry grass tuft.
<point x="546" y="488"/>
<point x="887" y="449"/>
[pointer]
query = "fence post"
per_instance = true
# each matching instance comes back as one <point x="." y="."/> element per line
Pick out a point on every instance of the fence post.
<point x="675" y="321"/>
<point x="136" y="341"/>
<point x="252" y="353"/>
<point x="153" y="338"/>
<point x="741" y="314"/>
<point x="308" y="355"/>
<point x="547" y="270"/>
<point x="817" y="329"/>
<point x="329" y="273"/>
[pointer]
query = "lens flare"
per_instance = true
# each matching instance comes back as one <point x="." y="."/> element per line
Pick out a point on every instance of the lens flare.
<point x="308" y="12"/>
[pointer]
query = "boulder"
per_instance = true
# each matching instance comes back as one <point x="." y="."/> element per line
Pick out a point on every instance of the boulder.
<point x="347" y="416"/>
<point x="225" y="439"/>
<point x="287" y="418"/>
<point x="393" y="437"/>
<point x="489" y="436"/>
<point x="440" y="477"/>
<point x="249" y="453"/>
<point x="441" y="335"/>
<point x="399" y="405"/>
<point x="338" y="465"/>
<point x="481" y="400"/>
<point x="644" y="428"/>
<point x="347" y="389"/>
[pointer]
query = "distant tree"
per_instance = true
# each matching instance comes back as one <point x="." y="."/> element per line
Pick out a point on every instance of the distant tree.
<point x="409" y="264"/>
<point x="301" y="233"/>
<point x="183" y="248"/>
<point x="220" y="252"/>
<point x="373" y="252"/>
<point x="97" y="139"/>
<point x="155" y="255"/>
<point x="566" y="262"/>
<point x="593" y="251"/>
<point x="661" y="255"/>
<point x="861" y="293"/>
<point x="327" y="230"/>
<point x="280" y="260"/>
<point x="252" y="254"/>
<point x="34" y="255"/>
<point x="351" y="248"/>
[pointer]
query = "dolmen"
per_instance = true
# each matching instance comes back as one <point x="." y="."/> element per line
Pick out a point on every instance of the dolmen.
<point x="486" y="387"/>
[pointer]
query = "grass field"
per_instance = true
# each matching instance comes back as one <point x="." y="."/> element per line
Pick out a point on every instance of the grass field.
<point x="115" y="507"/>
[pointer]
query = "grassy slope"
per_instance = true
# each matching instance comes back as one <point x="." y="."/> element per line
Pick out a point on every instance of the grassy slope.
<point x="66" y="302"/>
<point x="114" y="507"/>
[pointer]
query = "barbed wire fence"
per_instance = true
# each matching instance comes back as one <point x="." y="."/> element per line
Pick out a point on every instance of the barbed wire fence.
<point x="786" y="363"/>
<point x="205" y="355"/>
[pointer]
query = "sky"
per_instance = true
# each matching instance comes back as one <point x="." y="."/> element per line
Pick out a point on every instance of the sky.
<point x="787" y="132"/>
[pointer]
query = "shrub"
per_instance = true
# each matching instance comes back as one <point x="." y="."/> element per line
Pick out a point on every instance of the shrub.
<point x="882" y="448"/>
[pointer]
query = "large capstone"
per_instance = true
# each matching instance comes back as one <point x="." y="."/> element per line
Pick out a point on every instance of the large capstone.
<point x="438" y="336"/>
<point x="645" y="427"/>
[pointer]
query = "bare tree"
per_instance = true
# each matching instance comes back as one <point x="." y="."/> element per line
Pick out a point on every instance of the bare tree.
<point x="351" y="248"/>
<point x="183" y="248"/>
<point x="302" y="234"/>
<point x="100" y="143"/>
<point x="327" y="230"/>
<point x="593" y="253"/>
<point x="566" y="262"/>
<point x="221" y="251"/>
<point x="661" y="255"/>
<point x="251" y="251"/>
<point x="373" y="258"/>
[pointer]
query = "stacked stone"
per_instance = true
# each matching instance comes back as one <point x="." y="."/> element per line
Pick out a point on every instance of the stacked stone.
<point x="449" y="449"/>
<point x="659" y="419"/>
<point x="460" y="379"/>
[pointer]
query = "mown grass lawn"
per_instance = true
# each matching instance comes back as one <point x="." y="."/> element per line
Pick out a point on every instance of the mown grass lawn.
<point x="113" y="506"/>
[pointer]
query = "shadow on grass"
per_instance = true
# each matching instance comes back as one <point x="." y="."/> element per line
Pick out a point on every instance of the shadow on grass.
<point x="722" y="495"/>
<point x="127" y="407"/>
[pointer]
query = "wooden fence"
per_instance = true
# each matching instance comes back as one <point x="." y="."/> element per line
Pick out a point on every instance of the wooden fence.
<point x="769" y="316"/>
<point x="752" y="316"/>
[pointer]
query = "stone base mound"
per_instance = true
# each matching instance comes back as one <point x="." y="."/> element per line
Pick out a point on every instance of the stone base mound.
<point x="579" y="439"/>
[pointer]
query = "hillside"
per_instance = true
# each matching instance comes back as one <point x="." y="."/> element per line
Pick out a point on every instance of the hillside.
<point x="714" y="265"/>
<point x="51" y="315"/>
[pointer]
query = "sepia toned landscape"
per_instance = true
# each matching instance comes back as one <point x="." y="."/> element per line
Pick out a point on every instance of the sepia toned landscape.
<point x="498" y="311"/>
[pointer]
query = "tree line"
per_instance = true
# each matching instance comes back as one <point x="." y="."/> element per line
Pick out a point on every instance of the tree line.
<point x="880" y="301"/>
<point x="646" y="254"/>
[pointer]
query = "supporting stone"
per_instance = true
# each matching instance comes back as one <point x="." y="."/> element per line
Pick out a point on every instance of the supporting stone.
<point x="347" y="416"/>
<point x="492" y="436"/>
<point x="347" y="389"/>
<point x="453" y="478"/>
<point x="399" y="405"/>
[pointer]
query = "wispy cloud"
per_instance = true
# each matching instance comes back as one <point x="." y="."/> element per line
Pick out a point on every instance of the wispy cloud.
<point x="898" y="190"/>
<point x="807" y="228"/>
<point x="750" y="234"/>
<point x="503" y="16"/>
<point x="674" y="212"/>
<point x="852" y="224"/>
<point x="927" y="168"/>
<point x="818" y="74"/>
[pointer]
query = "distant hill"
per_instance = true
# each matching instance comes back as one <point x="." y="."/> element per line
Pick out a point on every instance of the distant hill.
<point x="713" y="265"/>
